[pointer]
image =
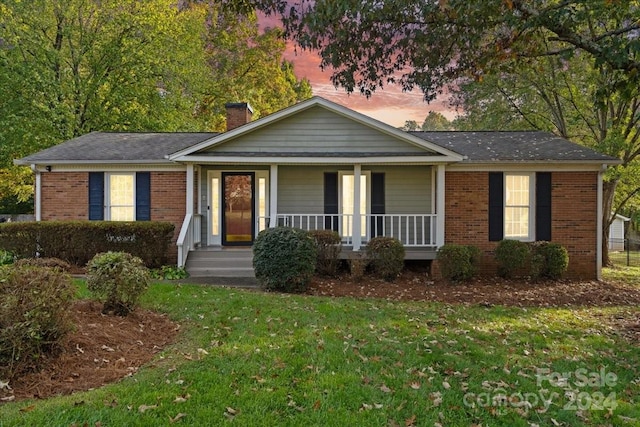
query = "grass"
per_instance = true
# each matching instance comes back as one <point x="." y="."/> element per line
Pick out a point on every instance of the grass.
<point x="257" y="359"/>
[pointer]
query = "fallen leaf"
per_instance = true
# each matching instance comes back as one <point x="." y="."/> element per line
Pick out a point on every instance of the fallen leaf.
<point x="446" y="385"/>
<point x="107" y="348"/>
<point x="28" y="408"/>
<point x="316" y="405"/>
<point x="385" y="389"/>
<point x="143" y="408"/>
<point x="415" y="385"/>
<point x="410" y="421"/>
<point x="177" y="417"/>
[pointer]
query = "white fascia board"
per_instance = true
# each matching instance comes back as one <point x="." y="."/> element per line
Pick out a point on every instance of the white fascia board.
<point x="203" y="160"/>
<point x="305" y="105"/>
<point x="557" y="166"/>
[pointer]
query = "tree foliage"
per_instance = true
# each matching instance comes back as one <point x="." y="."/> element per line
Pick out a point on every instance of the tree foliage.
<point x="74" y="66"/>
<point x="426" y="45"/>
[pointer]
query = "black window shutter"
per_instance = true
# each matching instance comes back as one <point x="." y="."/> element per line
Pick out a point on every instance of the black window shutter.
<point x="377" y="202"/>
<point x="331" y="200"/>
<point x="496" y="206"/>
<point x="96" y="196"/>
<point x="143" y="196"/>
<point x="543" y="206"/>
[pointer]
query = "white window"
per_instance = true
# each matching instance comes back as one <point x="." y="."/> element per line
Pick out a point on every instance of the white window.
<point x="518" y="206"/>
<point x="347" y="204"/>
<point x="120" y="197"/>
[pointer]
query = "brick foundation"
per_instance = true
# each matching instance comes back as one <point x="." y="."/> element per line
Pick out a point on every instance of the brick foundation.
<point x="574" y="217"/>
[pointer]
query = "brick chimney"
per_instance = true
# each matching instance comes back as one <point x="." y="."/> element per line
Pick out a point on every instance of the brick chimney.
<point x="238" y="114"/>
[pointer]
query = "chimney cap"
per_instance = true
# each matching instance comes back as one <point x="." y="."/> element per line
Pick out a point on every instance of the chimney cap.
<point x="239" y="105"/>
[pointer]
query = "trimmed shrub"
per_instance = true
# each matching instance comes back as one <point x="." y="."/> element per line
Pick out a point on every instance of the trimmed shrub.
<point x="458" y="262"/>
<point x="34" y="316"/>
<point x="548" y="260"/>
<point x="45" y="262"/>
<point x="76" y="242"/>
<point x="284" y="259"/>
<point x="117" y="279"/>
<point x="512" y="256"/>
<point x="328" y="244"/>
<point x="386" y="257"/>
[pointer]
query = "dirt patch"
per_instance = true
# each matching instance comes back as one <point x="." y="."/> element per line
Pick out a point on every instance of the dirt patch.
<point x="102" y="349"/>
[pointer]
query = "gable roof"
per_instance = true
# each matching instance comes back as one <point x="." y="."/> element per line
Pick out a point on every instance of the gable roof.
<point x="317" y="102"/>
<point x="115" y="147"/>
<point x="509" y="146"/>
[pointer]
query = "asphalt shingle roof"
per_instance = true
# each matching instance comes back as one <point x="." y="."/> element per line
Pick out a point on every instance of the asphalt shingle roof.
<point x="477" y="147"/>
<point x="523" y="146"/>
<point x="119" y="146"/>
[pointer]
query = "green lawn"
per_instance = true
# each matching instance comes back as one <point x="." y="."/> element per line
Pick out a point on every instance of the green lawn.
<point x="248" y="358"/>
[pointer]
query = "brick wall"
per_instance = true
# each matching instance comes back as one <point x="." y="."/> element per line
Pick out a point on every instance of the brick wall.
<point x="65" y="196"/>
<point x="168" y="190"/>
<point x="574" y="212"/>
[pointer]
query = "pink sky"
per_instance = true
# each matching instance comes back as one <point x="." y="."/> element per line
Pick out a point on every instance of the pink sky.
<point x="391" y="105"/>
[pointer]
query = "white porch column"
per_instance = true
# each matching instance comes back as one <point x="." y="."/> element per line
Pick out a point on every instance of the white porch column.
<point x="357" y="220"/>
<point x="273" y="196"/>
<point x="440" y="211"/>
<point x="37" y="197"/>
<point x="190" y="188"/>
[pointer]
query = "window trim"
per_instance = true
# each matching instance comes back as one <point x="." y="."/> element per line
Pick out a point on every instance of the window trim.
<point x="531" y="235"/>
<point x="107" y="194"/>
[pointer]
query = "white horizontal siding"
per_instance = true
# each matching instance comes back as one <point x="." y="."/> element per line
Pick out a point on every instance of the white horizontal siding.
<point x="317" y="130"/>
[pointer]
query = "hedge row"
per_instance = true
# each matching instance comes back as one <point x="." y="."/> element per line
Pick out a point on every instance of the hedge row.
<point x="76" y="242"/>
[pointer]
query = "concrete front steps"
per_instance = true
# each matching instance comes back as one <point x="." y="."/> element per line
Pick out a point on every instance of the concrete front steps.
<point x="220" y="262"/>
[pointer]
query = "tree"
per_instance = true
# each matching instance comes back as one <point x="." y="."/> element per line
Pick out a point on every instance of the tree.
<point x="75" y="66"/>
<point x="410" y="125"/>
<point x="246" y="65"/>
<point x="428" y="44"/>
<point x="436" y="121"/>
<point x="70" y="67"/>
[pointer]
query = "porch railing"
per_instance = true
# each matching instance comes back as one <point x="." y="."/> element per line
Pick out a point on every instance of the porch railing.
<point x="189" y="237"/>
<point x="413" y="230"/>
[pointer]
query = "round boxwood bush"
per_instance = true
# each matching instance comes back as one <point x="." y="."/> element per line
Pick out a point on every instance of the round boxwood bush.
<point x="386" y="257"/>
<point x="118" y="279"/>
<point x="548" y="260"/>
<point x="284" y="259"/>
<point x="328" y="244"/>
<point x="458" y="262"/>
<point x="512" y="256"/>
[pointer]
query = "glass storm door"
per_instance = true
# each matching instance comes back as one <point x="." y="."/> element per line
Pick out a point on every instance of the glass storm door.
<point x="238" y="225"/>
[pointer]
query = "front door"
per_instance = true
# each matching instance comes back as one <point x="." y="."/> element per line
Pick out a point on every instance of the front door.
<point x="238" y="210"/>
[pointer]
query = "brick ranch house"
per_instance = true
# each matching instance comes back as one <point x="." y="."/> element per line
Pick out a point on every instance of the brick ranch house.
<point x="320" y="165"/>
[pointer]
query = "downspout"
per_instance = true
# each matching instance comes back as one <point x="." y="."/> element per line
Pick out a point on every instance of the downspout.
<point x="599" y="226"/>
<point x="37" y="197"/>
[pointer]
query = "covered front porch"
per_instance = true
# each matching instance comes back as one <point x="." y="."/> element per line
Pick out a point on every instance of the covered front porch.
<point x="228" y="205"/>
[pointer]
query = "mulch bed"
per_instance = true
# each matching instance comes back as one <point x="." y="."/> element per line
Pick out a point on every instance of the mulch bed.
<point x="104" y="349"/>
<point x="486" y="291"/>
